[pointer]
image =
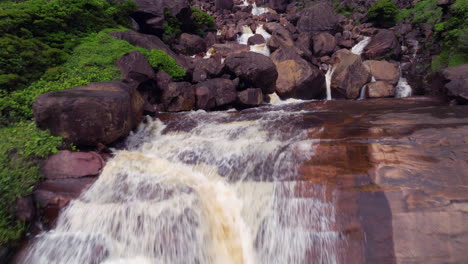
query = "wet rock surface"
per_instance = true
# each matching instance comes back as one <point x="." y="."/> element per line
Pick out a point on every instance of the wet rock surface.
<point x="394" y="167"/>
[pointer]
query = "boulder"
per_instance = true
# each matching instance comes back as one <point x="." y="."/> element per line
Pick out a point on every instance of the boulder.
<point x="224" y="4"/>
<point x="150" y="14"/>
<point x="215" y="93"/>
<point x="192" y="44"/>
<point x="299" y="79"/>
<point x="53" y="195"/>
<point x="278" y="5"/>
<point x="178" y="96"/>
<point x="206" y="68"/>
<point x="384" y="45"/>
<point x="317" y="18"/>
<point x="88" y="115"/>
<point x="323" y="44"/>
<point x="350" y="75"/>
<point x="304" y="43"/>
<point x="379" y="89"/>
<point x="456" y="79"/>
<point x="149" y="42"/>
<point x="229" y="48"/>
<point x="256" y="39"/>
<point x="254" y="70"/>
<point x="280" y="37"/>
<point x="250" y="97"/>
<point x="68" y="164"/>
<point x="383" y="71"/>
<point x="135" y="68"/>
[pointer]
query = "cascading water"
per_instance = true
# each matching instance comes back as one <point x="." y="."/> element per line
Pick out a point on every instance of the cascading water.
<point x="204" y="188"/>
<point x="403" y="89"/>
<point x="328" y="77"/>
<point x="359" y="48"/>
<point x="259" y="48"/>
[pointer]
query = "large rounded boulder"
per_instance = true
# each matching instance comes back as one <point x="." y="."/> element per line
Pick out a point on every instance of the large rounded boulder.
<point x="350" y="75"/>
<point x="317" y="18"/>
<point x="97" y="113"/>
<point x="255" y="70"/>
<point x="215" y="93"/>
<point x="384" y="45"/>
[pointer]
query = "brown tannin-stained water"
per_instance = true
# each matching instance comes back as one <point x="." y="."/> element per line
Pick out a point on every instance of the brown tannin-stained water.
<point x="221" y="189"/>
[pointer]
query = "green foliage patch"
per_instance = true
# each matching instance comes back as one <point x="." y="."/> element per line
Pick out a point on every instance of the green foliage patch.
<point x="423" y="12"/>
<point x="203" y="21"/>
<point x="38" y="34"/>
<point x="22" y="146"/>
<point x="383" y="13"/>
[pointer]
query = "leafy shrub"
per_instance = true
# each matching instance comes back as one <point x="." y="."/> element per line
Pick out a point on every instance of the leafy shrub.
<point x="37" y="34"/>
<point x="21" y="146"/>
<point x="163" y="62"/>
<point x="203" y="21"/>
<point x="424" y="12"/>
<point x="383" y="13"/>
<point x="91" y="61"/>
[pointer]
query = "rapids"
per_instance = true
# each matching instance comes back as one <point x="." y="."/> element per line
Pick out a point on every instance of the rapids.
<point x="212" y="188"/>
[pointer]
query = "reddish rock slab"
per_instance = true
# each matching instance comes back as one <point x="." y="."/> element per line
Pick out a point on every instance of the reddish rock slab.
<point x="54" y="195"/>
<point x="69" y="164"/>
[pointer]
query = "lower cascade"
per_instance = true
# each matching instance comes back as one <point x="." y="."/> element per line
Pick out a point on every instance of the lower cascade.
<point x="206" y="188"/>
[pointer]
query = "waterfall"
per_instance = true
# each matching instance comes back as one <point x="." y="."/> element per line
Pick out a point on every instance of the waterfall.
<point x="359" y="48"/>
<point x="328" y="78"/>
<point x="403" y="89"/>
<point x="203" y="188"/>
<point x="246" y="34"/>
<point x="261" y="31"/>
<point x="256" y="11"/>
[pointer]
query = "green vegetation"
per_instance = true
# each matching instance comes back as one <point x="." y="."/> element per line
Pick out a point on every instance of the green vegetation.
<point x="203" y="21"/>
<point x="38" y="34"/>
<point x="451" y="29"/>
<point x="424" y="12"/>
<point x="91" y="61"/>
<point x="21" y="148"/>
<point x="454" y="35"/>
<point x="383" y="13"/>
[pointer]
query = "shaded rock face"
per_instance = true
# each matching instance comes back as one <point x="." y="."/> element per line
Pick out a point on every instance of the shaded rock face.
<point x="206" y="68"/>
<point x="280" y="36"/>
<point x="150" y="14"/>
<point x="254" y="70"/>
<point x="178" y="96"/>
<point x="192" y="44"/>
<point x="350" y="74"/>
<point x="224" y="4"/>
<point x="278" y="5"/>
<point x="92" y="114"/>
<point x="299" y="79"/>
<point x="230" y="48"/>
<point x="67" y="164"/>
<point x="457" y="82"/>
<point x="215" y="93"/>
<point x="250" y="97"/>
<point x="379" y="89"/>
<point x="383" y="71"/>
<point x="317" y="18"/>
<point x="54" y="195"/>
<point x="323" y="44"/>
<point x="135" y="68"/>
<point x="384" y="45"/>
<point x="149" y="42"/>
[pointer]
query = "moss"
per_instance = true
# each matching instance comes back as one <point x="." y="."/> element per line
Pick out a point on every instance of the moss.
<point x="163" y="62"/>
<point x="22" y="145"/>
<point x="383" y="13"/>
<point x="424" y="12"/>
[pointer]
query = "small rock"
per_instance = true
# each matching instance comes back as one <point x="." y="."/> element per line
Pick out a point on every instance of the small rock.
<point x="250" y="97"/>
<point x="69" y="164"/>
<point x="379" y="89"/>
